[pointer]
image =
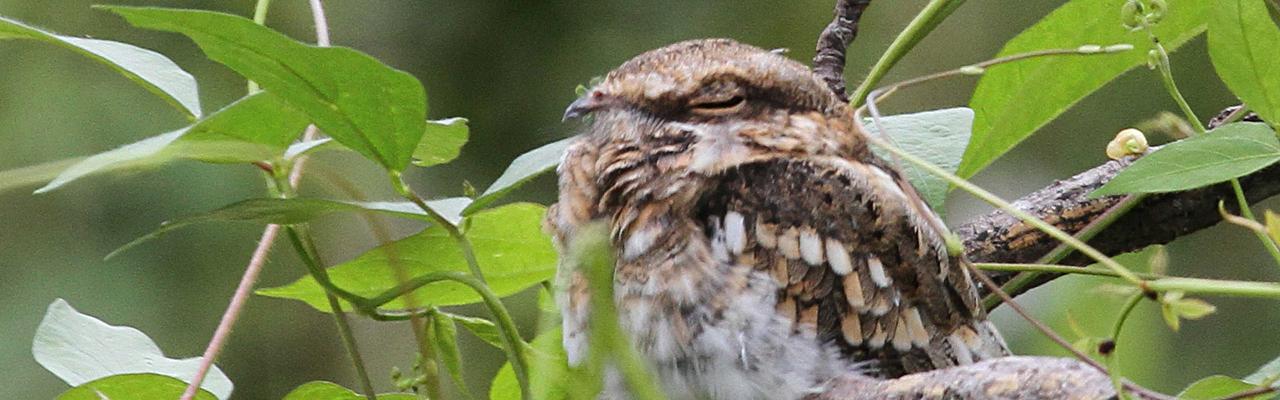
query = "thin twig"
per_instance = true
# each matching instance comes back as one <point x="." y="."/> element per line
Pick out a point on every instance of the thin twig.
<point x="259" y="258"/>
<point x="829" y="61"/>
<point x="1054" y="336"/>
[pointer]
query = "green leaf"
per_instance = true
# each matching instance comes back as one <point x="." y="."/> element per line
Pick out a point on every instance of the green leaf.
<point x="509" y="244"/>
<point x="524" y="168"/>
<point x="549" y="376"/>
<point x="147" y="68"/>
<point x="1243" y="44"/>
<point x="1214" y="387"/>
<point x="374" y="109"/>
<point x="482" y="328"/>
<point x="938" y="137"/>
<point x="442" y="142"/>
<point x="79" y="348"/>
<point x="1014" y="100"/>
<point x="132" y="387"/>
<point x="300" y="210"/>
<point x="321" y="390"/>
<point x="444" y="334"/>
<point x="1268" y="372"/>
<point x="1231" y="151"/>
<point x="254" y="128"/>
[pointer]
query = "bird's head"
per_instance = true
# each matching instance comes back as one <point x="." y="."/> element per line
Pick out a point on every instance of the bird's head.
<point x="708" y="85"/>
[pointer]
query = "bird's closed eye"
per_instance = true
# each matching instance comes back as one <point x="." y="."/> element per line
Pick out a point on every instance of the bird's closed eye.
<point x="718" y="106"/>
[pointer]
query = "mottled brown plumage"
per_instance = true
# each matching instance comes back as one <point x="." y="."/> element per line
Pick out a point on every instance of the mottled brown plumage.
<point x="763" y="248"/>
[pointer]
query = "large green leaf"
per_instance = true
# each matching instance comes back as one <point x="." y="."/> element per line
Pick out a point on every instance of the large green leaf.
<point x="509" y="244"/>
<point x="255" y="128"/>
<point x="132" y="387"/>
<point x="549" y="375"/>
<point x="79" y="348"/>
<point x="299" y="210"/>
<point x="1244" y="43"/>
<point x="367" y="106"/>
<point x="938" y="137"/>
<point x="442" y="142"/>
<point x="523" y="169"/>
<point x="321" y="390"/>
<point x="1231" y="151"/>
<point x="149" y="69"/>
<point x="1014" y="100"/>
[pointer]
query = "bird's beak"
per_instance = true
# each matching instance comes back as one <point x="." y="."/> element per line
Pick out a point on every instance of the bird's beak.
<point x="582" y="106"/>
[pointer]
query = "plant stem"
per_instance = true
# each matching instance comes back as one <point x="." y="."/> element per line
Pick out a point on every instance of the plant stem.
<point x="381" y="234"/>
<point x="1114" y="356"/>
<point x="996" y="201"/>
<point x="349" y="343"/>
<point x="260" y="18"/>
<point x="919" y="27"/>
<point x="1021" y="282"/>
<point x="513" y="345"/>
<point x="232" y="314"/>
<point x="307" y="251"/>
<point x="397" y="180"/>
<point x="1166" y="77"/>
<point x="1158" y="283"/>
<point x="1055" y="269"/>
<point x="245" y="288"/>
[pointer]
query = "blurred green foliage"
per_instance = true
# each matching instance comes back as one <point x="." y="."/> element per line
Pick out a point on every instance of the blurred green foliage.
<point x="509" y="68"/>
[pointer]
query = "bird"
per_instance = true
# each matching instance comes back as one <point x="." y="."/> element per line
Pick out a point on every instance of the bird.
<point x="762" y="248"/>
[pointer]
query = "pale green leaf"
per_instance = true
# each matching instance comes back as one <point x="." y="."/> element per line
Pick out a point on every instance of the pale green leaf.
<point x="524" y="168"/>
<point x="321" y="390"/>
<point x="1268" y="372"/>
<point x="1230" y="151"/>
<point x="374" y="109"/>
<point x="132" y="387"/>
<point x="482" y="328"/>
<point x="1192" y="308"/>
<point x="79" y="348"/>
<point x="444" y="334"/>
<point x="1214" y="387"/>
<point x="300" y="210"/>
<point x="938" y="137"/>
<point x="147" y="68"/>
<point x="1014" y="100"/>
<point x="509" y="244"/>
<point x="442" y="142"/>
<point x="1243" y="45"/>
<point x="255" y="128"/>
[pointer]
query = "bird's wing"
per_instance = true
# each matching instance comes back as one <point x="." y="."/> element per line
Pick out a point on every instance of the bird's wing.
<point x="858" y="259"/>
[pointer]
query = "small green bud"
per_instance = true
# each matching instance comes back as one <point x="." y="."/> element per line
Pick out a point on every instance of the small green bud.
<point x="1155" y="11"/>
<point x="1128" y="142"/>
<point x="1153" y="59"/>
<point x="1130" y="15"/>
<point x="1089" y="49"/>
<point x="1117" y="48"/>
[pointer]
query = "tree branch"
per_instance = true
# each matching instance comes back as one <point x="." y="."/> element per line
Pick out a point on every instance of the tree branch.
<point x="828" y="63"/>
<point x="1001" y="238"/>
<point x="1003" y="378"/>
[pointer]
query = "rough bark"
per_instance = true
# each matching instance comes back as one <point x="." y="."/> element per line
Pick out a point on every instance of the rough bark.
<point x="834" y="41"/>
<point x="1005" y="378"/>
<point x="1001" y="238"/>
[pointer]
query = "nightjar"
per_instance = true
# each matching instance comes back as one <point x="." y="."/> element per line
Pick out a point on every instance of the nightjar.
<point x="762" y="248"/>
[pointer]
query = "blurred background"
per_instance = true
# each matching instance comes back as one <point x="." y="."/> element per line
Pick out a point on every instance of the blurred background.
<point x="510" y="67"/>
